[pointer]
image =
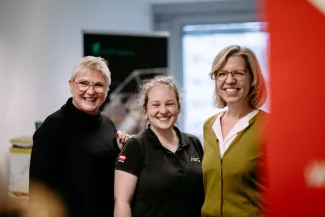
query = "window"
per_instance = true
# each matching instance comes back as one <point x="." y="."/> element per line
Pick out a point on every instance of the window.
<point x="197" y="32"/>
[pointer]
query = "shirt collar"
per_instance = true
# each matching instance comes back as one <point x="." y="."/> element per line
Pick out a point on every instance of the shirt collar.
<point x="242" y="124"/>
<point x="155" y="141"/>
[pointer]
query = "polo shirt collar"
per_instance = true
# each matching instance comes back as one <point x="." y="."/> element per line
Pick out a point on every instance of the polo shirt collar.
<point x="155" y="141"/>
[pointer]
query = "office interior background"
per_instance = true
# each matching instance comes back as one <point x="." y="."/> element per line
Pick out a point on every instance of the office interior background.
<point x="41" y="40"/>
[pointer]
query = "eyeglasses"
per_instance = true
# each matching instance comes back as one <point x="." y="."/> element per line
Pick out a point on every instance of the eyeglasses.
<point x="83" y="86"/>
<point x="238" y="75"/>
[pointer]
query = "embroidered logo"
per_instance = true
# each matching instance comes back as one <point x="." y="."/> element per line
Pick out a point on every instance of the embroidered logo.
<point x="121" y="158"/>
<point x="195" y="159"/>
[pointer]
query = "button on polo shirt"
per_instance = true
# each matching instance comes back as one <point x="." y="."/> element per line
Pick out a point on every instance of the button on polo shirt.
<point x="169" y="184"/>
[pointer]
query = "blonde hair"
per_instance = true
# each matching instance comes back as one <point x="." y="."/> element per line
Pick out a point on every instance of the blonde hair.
<point x="94" y="64"/>
<point x="147" y="85"/>
<point x="257" y="94"/>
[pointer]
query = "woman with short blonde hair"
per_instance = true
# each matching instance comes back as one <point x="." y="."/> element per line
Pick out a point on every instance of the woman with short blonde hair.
<point x="234" y="139"/>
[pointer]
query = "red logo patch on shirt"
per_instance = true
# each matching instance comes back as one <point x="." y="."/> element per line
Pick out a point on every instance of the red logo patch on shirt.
<point x="121" y="158"/>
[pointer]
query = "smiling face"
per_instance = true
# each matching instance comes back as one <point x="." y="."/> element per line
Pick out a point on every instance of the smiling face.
<point x="162" y="108"/>
<point x="88" y="101"/>
<point x="235" y="90"/>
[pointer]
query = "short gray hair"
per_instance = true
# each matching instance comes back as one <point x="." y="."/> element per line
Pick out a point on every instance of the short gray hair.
<point x="92" y="63"/>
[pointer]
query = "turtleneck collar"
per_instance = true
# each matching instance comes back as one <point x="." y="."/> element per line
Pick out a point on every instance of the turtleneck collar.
<point x="81" y="118"/>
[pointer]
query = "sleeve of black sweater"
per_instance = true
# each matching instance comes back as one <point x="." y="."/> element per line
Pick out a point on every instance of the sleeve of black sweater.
<point x="111" y="125"/>
<point x="45" y="157"/>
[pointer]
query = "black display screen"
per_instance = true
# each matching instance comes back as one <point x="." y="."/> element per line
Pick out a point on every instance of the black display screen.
<point x="126" y="53"/>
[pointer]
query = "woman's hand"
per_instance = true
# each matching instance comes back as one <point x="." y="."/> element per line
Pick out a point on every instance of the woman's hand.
<point x="121" y="138"/>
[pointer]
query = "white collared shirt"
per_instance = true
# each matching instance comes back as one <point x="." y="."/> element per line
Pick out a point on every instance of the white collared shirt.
<point x="239" y="126"/>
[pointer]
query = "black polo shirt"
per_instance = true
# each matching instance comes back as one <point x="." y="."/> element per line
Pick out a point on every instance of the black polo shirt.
<point x="169" y="184"/>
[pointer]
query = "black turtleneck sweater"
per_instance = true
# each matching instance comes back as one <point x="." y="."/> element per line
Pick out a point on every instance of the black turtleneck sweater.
<point x="74" y="155"/>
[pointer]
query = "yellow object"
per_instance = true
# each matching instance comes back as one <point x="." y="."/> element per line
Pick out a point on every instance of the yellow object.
<point x="232" y="183"/>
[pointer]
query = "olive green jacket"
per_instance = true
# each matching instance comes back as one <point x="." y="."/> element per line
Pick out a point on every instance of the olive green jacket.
<point x="233" y="184"/>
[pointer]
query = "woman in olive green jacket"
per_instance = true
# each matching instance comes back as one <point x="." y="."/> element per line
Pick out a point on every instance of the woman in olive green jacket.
<point x="234" y="139"/>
